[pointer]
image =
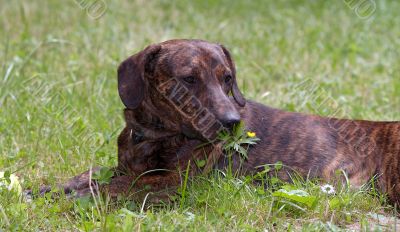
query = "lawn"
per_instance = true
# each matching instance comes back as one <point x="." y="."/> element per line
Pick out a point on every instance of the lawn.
<point x="60" y="112"/>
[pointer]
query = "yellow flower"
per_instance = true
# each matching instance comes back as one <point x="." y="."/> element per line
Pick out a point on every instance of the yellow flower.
<point x="251" y="134"/>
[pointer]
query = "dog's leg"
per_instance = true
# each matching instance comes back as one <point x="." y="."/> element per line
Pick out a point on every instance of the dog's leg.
<point x="154" y="188"/>
<point x="390" y="167"/>
<point x="76" y="186"/>
<point x="386" y="153"/>
<point x="80" y="182"/>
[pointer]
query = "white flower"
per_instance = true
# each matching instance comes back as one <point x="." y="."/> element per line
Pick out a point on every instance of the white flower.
<point x="190" y="216"/>
<point x="13" y="185"/>
<point x="328" y="189"/>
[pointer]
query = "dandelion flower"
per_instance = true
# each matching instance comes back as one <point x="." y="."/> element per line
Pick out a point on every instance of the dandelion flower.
<point x="251" y="134"/>
<point x="328" y="189"/>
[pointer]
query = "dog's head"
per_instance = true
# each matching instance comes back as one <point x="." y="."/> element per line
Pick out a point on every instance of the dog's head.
<point x="188" y="82"/>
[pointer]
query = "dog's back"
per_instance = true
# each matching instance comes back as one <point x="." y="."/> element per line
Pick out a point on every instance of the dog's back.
<point x="317" y="146"/>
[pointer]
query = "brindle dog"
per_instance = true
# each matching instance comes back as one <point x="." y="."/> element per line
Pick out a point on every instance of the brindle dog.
<point x="179" y="94"/>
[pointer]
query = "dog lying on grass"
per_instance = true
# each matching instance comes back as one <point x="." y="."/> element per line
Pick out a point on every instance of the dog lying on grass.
<point x="180" y="94"/>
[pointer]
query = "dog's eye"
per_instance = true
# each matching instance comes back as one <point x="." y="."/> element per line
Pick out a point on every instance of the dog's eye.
<point x="228" y="79"/>
<point x="190" y="79"/>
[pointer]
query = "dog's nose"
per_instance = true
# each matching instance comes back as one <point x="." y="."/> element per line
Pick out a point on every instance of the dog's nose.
<point x="230" y="119"/>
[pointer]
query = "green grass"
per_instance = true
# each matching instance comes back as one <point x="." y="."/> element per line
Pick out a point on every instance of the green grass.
<point x="60" y="111"/>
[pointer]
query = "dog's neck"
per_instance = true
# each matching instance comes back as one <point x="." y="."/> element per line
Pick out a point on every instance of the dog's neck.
<point x="148" y="126"/>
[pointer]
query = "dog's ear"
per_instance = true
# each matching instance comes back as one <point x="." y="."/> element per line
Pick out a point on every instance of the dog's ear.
<point x="237" y="95"/>
<point x="131" y="83"/>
